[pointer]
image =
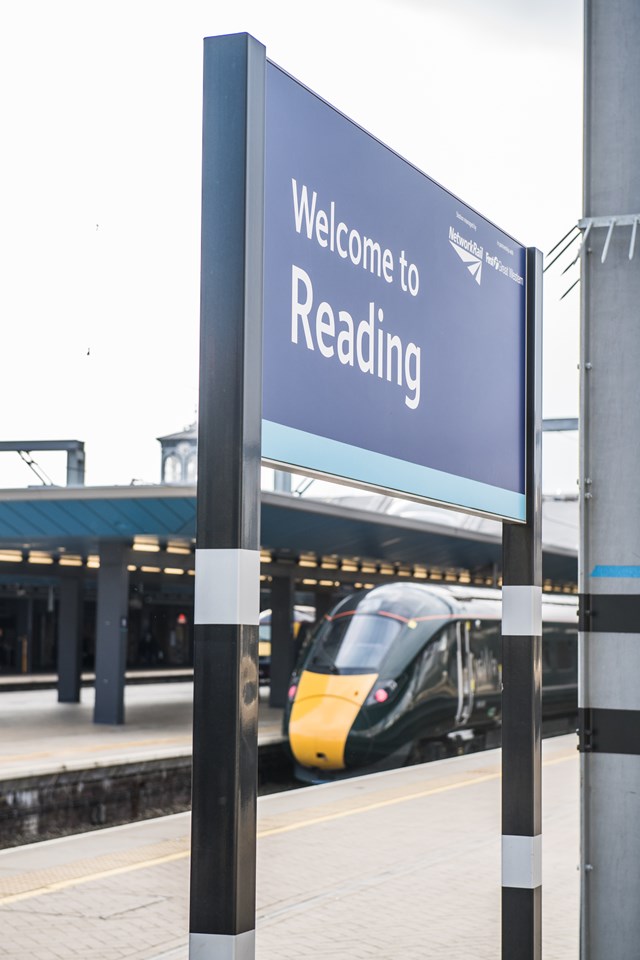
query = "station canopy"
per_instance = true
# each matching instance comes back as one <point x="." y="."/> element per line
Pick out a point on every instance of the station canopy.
<point x="368" y="527"/>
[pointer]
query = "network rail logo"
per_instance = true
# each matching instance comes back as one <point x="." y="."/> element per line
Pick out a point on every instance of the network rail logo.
<point x="469" y="252"/>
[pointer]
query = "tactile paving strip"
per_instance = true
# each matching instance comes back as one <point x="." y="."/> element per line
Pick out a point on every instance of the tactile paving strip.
<point x="93" y="868"/>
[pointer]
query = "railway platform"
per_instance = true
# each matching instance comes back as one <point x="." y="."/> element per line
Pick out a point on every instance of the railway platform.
<point x="61" y="773"/>
<point x="43" y="736"/>
<point x="404" y="864"/>
<point x="49" y="681"/>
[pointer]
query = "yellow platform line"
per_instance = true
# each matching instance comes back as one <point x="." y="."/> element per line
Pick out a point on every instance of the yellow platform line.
<point x="101" y="875"/>
<point x="367" y="807"/>
<point x="288" y="828"/>
<point x="96" y="748"/>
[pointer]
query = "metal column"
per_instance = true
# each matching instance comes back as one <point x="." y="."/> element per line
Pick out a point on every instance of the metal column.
<point x="25" y="636"/>
<point x="111" y="633"/>
<point x="325" y="601"/>
<point x="75" y="466"/>
<point x="609" y="575"/>
<point x="227" y="587"/>
<point x="283" y="652"/>
<point x="522" y="673"/>
<point x="69" y="640"/>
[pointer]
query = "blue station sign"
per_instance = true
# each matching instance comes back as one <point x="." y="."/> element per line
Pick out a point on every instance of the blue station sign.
<point x="394" y="319"/>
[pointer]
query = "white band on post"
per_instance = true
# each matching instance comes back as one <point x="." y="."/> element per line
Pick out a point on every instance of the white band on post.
<point x="218" y="946"/>
<point x="522" y="862"/>
<point x="521" y="611"/>
<point x="227" y="587"/>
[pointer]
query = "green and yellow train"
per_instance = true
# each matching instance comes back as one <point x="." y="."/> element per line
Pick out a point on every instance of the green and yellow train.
<point x="408" y="671"/>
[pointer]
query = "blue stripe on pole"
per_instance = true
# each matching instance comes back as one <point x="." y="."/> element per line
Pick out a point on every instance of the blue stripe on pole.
<point x="616" y="571"/>
<point x="298" y="448"/>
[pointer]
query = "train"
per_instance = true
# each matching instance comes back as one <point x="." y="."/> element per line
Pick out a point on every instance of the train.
<point x="301" y="615"/>
<point x="409" y="672"/>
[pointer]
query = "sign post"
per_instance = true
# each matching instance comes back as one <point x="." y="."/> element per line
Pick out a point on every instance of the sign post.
<point x="227" y="587"/>
<point x="522" y="674"/>
<point x="398" y="337"/>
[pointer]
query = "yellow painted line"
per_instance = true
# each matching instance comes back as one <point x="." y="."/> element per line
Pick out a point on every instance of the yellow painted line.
<point x="379" y="806"/>
<point x="97" y="748"/>
<point x="24" y="756"/>
<point x="565" y="756"/>
<point x="102" y="875"/>
<point x="395" y="800"/>
<point x="135" y="743"/>
<point x="288" y="828"/>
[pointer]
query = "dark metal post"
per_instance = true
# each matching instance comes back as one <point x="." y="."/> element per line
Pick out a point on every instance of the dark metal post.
<point x="24" y="650"/>
<point x="283" y="653"/>
<point x="325" y="601"/>
<point x="69" y="640"/>
<point x="522" y="673"/>
<point x="227" y="587"/>
<point x="111" y="633"/>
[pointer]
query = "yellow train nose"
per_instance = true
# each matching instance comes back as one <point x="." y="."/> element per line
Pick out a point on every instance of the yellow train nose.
<point x="322" y="716"/>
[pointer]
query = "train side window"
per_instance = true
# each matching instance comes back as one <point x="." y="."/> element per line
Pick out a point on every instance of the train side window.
<point x="452" y="654"/>
<point x="486" y="647"/>
<point x="547" y="635"/>
<point x="566" y="653"/>
<point x="439" y="655"/>
<point x="559" y="649"/>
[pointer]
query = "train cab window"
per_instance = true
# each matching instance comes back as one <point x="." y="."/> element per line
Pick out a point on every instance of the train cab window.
<point x="354" y="641"/>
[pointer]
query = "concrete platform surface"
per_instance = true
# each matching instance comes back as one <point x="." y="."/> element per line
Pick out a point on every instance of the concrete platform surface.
<point x="42" y="736"/>
<point x="403" y="864"/>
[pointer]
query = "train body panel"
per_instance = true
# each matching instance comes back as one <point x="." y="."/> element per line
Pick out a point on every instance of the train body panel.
<point x="430" y="662"/>
<point x="322" y="715"/>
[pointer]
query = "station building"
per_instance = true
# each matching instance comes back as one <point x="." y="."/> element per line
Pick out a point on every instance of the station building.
<point x="100" y="579"/>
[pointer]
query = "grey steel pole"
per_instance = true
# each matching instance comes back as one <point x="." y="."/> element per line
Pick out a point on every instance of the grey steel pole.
<point x="111" y="632"/>
<point x="522" y="672"/>
<point x="227" y="585"/>
<point x="75" y="466"/>
<point x="609" y="574"/>
<point x="283" y="658"/>
<point x="70" y="640"/>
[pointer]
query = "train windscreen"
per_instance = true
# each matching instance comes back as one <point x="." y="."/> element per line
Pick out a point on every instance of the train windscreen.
<point x="354" y="641"/>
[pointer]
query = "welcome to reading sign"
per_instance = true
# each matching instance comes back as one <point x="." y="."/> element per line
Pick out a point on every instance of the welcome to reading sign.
<point x="394" y="319"/>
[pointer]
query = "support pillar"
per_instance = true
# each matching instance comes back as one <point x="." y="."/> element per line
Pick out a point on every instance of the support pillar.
<point x="75" y="466"/>
<point x="227" y="585"/>
<point x="325" y="601"/>
<point x="111" y="633"/>
<point x="283" y="650"/>
<point x="69" y="640"/>
<point x="25" y="636"/>
<point x="609" y="574"/>
<point x="522" y="673"/>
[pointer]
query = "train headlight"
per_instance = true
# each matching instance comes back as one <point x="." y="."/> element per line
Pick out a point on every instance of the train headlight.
<point x="383" y="691"/>
<point x="293" y="689"/>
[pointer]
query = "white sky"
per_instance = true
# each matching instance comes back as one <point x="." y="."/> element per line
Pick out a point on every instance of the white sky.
<point x="100" y="186"/>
